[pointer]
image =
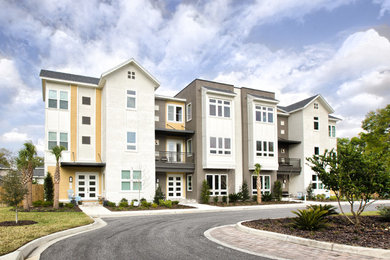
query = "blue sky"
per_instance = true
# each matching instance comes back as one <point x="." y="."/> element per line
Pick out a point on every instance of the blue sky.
<point x="338" y="48"/>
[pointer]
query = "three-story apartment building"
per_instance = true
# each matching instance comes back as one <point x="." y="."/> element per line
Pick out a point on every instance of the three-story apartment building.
<point x="123" y="141"/>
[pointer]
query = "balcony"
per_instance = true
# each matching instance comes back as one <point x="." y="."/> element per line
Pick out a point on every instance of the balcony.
<point x="167" y="161"/>
<point x="289" y="165"/>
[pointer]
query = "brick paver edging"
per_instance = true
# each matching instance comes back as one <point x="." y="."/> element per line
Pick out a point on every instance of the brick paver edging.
<point x="365" y="251"/>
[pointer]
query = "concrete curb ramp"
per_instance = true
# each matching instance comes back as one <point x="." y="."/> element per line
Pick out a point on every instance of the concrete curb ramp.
<point x="33" y="249"/>
<point x="366" y="251"/>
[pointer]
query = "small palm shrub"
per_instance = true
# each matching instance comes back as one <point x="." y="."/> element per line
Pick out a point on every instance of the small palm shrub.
<point x="145" y="204"/>
<point x="108" y="203"/>
<point x="37" y="203"/>
<point x="309" y="219"/>
<point x="266" y="196"/>
<point x="154" y="205"/>
<point x="224" y="199"/>
<point x="215" y="199"/>
<point x="384" y="212"/>
<point x="331" y="209"/>
<point x="175" y="202"/>
<point x="47" y="203"/>
<point x="124" y="203"/>
<point x="233" y="197"/>
<point x="69" y="205"/>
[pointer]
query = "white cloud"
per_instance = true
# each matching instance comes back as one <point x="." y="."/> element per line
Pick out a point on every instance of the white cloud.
<point x="385" y="6"/>
<point x="14" y="136"/>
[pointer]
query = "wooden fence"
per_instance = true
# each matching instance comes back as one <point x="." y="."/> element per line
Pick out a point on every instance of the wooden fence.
<point x="37" y="192"/>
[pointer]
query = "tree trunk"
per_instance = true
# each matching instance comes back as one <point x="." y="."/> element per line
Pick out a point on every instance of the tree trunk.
<point x="16" y="214"/>
<point x="25" y="202"/>
<point x="258" y="186"/>
<point x="25" y="183"/>
<point x="56" y="195"/>
<point x="29" y="193"/>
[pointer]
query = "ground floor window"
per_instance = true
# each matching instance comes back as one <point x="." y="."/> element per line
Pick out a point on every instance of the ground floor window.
<point x="265" y="184"/>
<point x="316" y="183"/>
<point x="217" y="184"/>
<point x="131" y="180"/>
<point x="189" y="182"/>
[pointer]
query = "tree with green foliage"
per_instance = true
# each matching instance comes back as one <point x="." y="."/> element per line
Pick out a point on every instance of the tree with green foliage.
<point x="57" y="152"/>
<point x="244" y="191"/>
<point x="14" y="190"/>
<point x="205" y="193"/>
<point x="159" y="195"/>
<point x="309" y="191"/>
<point x="48" y="187"/>
<point x="352" y="173"/>
<point x="277" y="190"/>
<point x="258" y="182"/>
<point x="6" y="157"/>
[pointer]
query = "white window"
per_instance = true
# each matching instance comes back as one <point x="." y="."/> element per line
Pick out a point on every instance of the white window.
<point x="315" y="105"/>
<point x="332" y="131"/>
<point x="175" y="114"/>
<point x="131" y="141"/>
<point x="282" y="122"/>
<point x="55" y="138"/>
<point x="316" y="123"/>
<point x="53" y="99"/>
<point x="316" y="182"/>
<point x="189" y="147"/>
<point x="131" y="180"/>
<point x="265" y="184"/>
<point x="189" y="182"/>
<point x="219" y="108"/>
<point x="264" y="148"/>
<point x="63" y="100"/>
<point x="189" y="112"/>
<point x="131" y="100"/>
<point x="220" y="145"/>
<point x="264" y="114"/>
<point x="282" y="132"/>
<point x="217" y="184"/>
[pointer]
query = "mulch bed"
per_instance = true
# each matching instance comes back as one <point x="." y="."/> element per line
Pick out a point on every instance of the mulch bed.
<point x="251" y="203"/>
<point x="149" y="208"/>
<point x="50" y="209"/>
<point x="20" y="223"/>
<point x="374" y="231"/>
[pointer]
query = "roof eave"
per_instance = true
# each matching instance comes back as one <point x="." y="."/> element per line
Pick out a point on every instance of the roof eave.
<point x="69" y="82"/>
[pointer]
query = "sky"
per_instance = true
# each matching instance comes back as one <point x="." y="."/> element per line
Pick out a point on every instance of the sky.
<point x="337" y="48"/>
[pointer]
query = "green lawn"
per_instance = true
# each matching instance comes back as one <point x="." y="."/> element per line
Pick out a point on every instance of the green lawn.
<point x="365" y="213"/>
<point x="48" y="222"/>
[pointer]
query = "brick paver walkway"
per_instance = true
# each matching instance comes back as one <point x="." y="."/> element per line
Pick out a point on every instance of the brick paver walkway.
<point x="277" y="248"/>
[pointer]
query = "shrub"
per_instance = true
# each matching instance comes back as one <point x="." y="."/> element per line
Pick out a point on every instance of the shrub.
<point x="145" y="204"/>
<point x="47" y="203"/>
<point x="175" y="202"/>
<point x="233" y="197"/>
<point x="142" y="199"/>
<point x="154" y="205"/>
<point x="224" y="199"/>
<point x="110" y="204"/>
<point x="205" y="193"/>
<point x="159" y="195"/>
<point x="244" y="191"/>
<point x="37" y="203"/>
<point x="215" y="199"/>
<point x="69" y="205"/>
<point x="132" y="202"/>
<point x="309" y="219"/>
<point x="165" y="203"/>
<point x="320" y="197"/>
<point x="254" y="197"/>
<point x="124" y="203"/>
<point x="331" y="210"/>
<point x="61" y="204"/>
<point x="266" y="196"/>
<point x="309" y="191"/>
<point x="278" y="190"/>
<point x="48" y="187"/>
<point x="384" y="212"/>
<point x="333" y="198"/>
<point x="161" y="202"/>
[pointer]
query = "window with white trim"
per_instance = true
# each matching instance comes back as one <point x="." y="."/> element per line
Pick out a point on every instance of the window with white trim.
<point x="131" y="180"/>
<point x="264" y="114"/>
<point x="264" y="148"/>
<point x="189" y="182"/>
<point x="175" y="113"/>
<point x="316" y="123"/>
<point x="316" y="183"/>
<point x="53" y="99"/>
<point x="63" y="100"/>
<point x="220" y="145"/>
<point x="55" y="138"/>
<point x="332" y="130"/>
<point x="131" y="141"/>
<point x="131" y="99"/>
<point x="189" y="147"/>
<point x="315" y="105"/>
<point x="189" y="112"/>
<point x="265" y="184"/>
<point x="217" y="184"/>
<point x="219" y="107"/>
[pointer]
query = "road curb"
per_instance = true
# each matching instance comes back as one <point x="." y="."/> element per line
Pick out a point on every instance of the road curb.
<point x="33" y="249"/>
<point x="365" y="251"/>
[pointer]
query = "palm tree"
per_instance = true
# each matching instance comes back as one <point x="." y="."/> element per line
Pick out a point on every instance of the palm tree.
<point x="22" y="165"/>
<point x="30" y="152"/>
<point x="57" y="151"/>
<point x="258" y="182"/>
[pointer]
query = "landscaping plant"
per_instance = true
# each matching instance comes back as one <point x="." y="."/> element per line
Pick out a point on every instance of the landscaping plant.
<point x="205" y="193"/>
<point x="266" y="196"/>
<point x="309" y="191"/>
<point x="14" y="191"/>
<point x="159" y="195"/>
<point x="124" y="203"/>
<point x="234" y="197"/>
<point x="277" y="190"/>
<point x="244" y="191"/>
<point x="331" y="210"/>
<point x="57" y="152"/>
<point x="310" y="219"/>
<point x="215" y="199"/>
<point x="384" y="212"/>
<point x="48" y="187"/>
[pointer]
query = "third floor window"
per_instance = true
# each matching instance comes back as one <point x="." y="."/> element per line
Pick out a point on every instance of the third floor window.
<point x="219" y="108"/>
<point x="264" y="114"/>
<point x="175" y="113"/>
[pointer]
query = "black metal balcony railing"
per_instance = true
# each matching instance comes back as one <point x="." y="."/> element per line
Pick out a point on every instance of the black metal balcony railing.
<point x="289" y="164"/>
<point x="174" y="157"/>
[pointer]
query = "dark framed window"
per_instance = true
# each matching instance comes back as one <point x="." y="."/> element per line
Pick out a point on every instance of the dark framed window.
<point x="86" y="100"/>
<point x="86" y="120"/>
<point x="86" y="140"/>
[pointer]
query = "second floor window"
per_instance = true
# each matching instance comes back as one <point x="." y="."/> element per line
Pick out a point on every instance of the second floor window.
<point x="189" y="112"/>
<point x="55" y="138"/>
<point x="175" y="114"/>
<point x="332" y="131"/>
<point x="219" y="108"/>
<point x="219" y="145"/>
<point x="131" y="99"/>
<point x="131" y="141"/>
<point x="264" y="114"/>
<point x="264" y="148"/>
<point x="316" y="123"/>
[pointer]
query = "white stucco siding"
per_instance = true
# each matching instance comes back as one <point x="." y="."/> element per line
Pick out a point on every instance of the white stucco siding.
<point x="86" y="152"/>
<point x="118" y="121"/>
<point x="238" y="140"/>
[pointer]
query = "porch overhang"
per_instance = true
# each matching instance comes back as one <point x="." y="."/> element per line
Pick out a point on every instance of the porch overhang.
<point x="174" y="132"/>
<point x="83" y="164"/>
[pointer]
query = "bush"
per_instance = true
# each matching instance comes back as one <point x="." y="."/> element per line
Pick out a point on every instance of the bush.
<point x="175" y="202"/>
<point x="254" y="198"/>
<point x="165" y="203"/>
<point x="233" y="197"/>
<point x="266" y="196"/>
<point x="384" y="212"/>
<point x="145" y="204"/>
<point x="215" y="199"/>
<point x="244" y="191"/>
<point x="159" y="195"/>
<point x="69" y="205"/>
<point x="132" y="202"/>
<point x="142" y="199"/>
<point x="309" y="191"/>
<point x="124" y="203"/>
<point x="48" y="187"/>
<point x="278" y="190"/>
<point x="161" y="202"/>
<point x="61" y="204"/>
<point x="331" y="210"/>
<point x="224" y="199"/>
<point x="154" y="205"/>
<point x="320" y="197"/>
<point x="37" y="203"/>
<point x="205" y="193"/>
<point x="47" y="203"/>
<point x="110" y="204"/>
<point x="333" y="198"/>
<point x="309" y="219"/>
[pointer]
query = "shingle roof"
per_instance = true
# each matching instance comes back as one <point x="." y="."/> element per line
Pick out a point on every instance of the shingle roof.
<point x="299" y="104"/>
<point x="68" y="77"/>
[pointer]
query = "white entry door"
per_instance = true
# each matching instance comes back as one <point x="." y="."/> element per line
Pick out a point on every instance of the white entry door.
<point x="87" y="186"/>
<point x="175" y="186"/>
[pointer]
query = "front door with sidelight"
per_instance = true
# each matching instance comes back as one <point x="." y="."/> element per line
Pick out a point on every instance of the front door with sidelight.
<point x="87" y="186"/>
<point x="175" y="186"/>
